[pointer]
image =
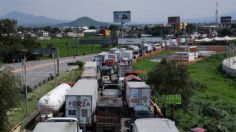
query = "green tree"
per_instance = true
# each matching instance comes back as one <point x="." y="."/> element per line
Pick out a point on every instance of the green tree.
<point x="92" y="27"/>
<point x="190" y="28"/>
<point x="113" y="27"/>
<point x="171" y="77"/>
<point x="9" y="95"/>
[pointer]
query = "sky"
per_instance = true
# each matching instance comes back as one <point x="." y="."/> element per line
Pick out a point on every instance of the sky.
<point x="141" y="10"/>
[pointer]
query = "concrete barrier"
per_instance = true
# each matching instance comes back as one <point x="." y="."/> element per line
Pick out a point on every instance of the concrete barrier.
<point x="229" y="66"/>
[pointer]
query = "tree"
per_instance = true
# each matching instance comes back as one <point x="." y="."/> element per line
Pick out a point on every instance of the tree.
<point x="190" y="28"/>
<point x="9" y="95"/>
<point x="113" y="27"/>
<point x="92" y="27"/>
<point x="171" y="77"/>
<point x="225" y="32"/>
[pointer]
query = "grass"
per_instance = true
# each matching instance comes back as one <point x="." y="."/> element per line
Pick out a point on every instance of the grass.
<point x="219" y="92"/>
<point x="218" y="84"/>
<point x="17" y="116"/>
<point x="68" y="46"/>
<point x="147" y="66"/>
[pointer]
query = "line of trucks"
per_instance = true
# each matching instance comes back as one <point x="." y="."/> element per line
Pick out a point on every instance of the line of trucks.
<point x="108" y="97"/>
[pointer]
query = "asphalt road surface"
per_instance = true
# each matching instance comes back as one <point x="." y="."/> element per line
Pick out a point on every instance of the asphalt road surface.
<point x="38" y="71"/>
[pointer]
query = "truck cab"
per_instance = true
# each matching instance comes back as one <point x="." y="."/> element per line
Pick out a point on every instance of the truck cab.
<point x="142" y="111"/>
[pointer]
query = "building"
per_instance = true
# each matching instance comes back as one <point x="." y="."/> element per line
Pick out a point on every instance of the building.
<point x="105" y="32"/>
<point x="184" y="56"/>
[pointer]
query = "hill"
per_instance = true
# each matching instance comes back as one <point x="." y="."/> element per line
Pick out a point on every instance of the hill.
<point x="24" y="19"/>
<point x="84" y="21"/>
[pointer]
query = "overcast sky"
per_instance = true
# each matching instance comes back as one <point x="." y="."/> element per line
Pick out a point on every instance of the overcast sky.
<point x="141" y="10"/>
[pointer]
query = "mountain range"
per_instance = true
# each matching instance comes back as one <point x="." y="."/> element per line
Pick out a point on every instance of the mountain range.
<point x="84" y="21"/>
<point x="24" y="19"/>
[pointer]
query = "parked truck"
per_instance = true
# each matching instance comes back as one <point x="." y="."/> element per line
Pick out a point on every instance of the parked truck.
<point x="123" y="69"/>
<point x="100" y="58"/>
<point x="81" y="102"/>
<point x="138" y="96"/>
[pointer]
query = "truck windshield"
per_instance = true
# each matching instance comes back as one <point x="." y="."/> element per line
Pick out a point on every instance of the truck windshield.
<point x="111" y="87"/>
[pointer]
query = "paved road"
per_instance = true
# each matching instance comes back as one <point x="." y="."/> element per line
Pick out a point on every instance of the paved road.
<point x="38" y="71"/>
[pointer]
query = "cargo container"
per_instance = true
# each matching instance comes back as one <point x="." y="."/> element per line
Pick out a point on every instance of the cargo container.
<point x="89" y="74"/>
<point x="100" y="58"/>
<point x="128" y="55"/>
<point x="113" y="50"/>
<point x="90" y="65"/>
<point x="154" y="125"/>
<point x="81" y="101"/>
<point x="123" y="69"/>
<point x="137" y="93"/>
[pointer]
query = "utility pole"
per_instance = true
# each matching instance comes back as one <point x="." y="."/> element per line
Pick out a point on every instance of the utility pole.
<point x="25" y="85"/>
<point x="58" y="63"/>
<point x="77" y="47"/>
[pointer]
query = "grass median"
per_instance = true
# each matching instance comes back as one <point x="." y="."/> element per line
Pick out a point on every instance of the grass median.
<point x="18" y="115"/>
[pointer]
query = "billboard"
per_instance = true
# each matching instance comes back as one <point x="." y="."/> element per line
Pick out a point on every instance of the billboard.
<point x="121" y="16"/>
<point x="225" y="19"/>
<point x="174" y="20"/>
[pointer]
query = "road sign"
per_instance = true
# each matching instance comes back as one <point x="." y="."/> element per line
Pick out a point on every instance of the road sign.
<point x="170" y="99"/>
<point x="121" y="16"/>
<point x="226" y="19"/>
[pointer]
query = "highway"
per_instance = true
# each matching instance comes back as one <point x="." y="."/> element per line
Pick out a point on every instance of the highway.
<point x="38" y="71"/>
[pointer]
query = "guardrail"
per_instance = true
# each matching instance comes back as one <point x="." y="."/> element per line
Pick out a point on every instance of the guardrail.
<point x="26" y="121"/>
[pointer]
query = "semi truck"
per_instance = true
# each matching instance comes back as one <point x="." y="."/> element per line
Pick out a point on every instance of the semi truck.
<point x="81" y="102"/>
<point x="138" y="96"/>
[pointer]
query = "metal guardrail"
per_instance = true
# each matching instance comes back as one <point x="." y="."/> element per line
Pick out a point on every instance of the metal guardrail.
<point x="28" y="119"/>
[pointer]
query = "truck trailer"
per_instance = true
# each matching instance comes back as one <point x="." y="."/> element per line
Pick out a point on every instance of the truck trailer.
<point x="137" y="93"/>
<point x="81" y="102"/>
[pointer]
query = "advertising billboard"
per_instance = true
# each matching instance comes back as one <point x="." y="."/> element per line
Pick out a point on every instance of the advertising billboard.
<point x="121" y="16"/>
<point x="225" y="19"/>
<point x="174" y="20"/>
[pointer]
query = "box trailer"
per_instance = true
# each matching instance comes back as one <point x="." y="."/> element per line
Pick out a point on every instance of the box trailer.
<point x="100" y="58"/>
<point x="81" y="101"/>
<point x="123" y="69"/>
<point x="90" y="65"/>
<point x="154" y="125"/>
<point x="137" y="93"/>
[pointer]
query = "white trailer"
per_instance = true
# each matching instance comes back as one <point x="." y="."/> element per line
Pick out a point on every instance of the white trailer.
<point x="90" y="65"/>
<point x="148" y="47"/>
<point x="113" y="56"/>
<point x="100" y="58"/>
<point x="137" y="93"/>
<point x="52" y="102"/>
<point x="127" y="55"/>
<point x="154" y="125"/>
<point x="81" y="101"/>
<point x="113" y="50"/>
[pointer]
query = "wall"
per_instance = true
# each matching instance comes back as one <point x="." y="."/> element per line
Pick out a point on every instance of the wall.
<point x="229" y="66"/>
